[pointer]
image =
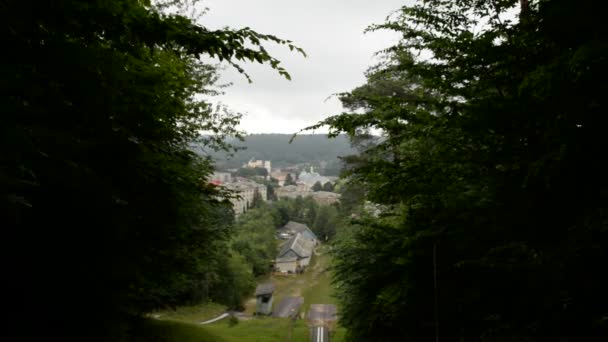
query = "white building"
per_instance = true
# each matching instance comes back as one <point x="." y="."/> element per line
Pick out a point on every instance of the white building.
<point x="264" y="164"/>
<point x="221" y="177"/>
<point x="245" y="190"/>
<point x="310" y="178"/>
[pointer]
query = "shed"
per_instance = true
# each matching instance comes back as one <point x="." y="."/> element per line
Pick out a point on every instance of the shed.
<point x="263" y="296"/>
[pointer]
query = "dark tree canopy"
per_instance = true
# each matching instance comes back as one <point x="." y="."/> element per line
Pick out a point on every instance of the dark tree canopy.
<point x="317" y="186"/>
<point x="490" y="174"/>
<point x="105" y="209"/>
<point x="289" y="180"/>
<point x="328" y="186"/>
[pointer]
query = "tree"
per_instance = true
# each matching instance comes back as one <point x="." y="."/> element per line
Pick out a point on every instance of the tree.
<point x="328" y="186"/>
<point x="493" y="216"/>
<point x="255" y="238"/>
<point x="257" y="201"/>
<point x="317" y="186"/>
<point x="289" y="180"/>
<point x="325" y="223"/>
<point x="248" y="172"/>
<point x="100" y="191"/>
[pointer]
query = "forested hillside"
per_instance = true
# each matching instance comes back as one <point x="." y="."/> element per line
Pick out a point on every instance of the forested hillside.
<point x="313" y="148"/>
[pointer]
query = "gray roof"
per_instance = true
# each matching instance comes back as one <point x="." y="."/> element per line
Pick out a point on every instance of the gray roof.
<point x="264" y="289"/>
<point x="297" y="227"/>
<point x="299" y="245"/>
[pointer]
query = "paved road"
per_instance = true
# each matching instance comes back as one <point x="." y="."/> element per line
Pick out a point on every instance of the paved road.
<point x="288" y="307"/>
<point x="321" y="317"/>
<point x="321" y="314"/>
<point x="319" y="334"/>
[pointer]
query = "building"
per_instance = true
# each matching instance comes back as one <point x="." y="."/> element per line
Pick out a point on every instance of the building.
<point x="220" y="178"/>
<point x="294" y="255"/>
<point x="292" y="191"/>
<point x="263" y="299"/>
<point x="281" y="176"/>
<point x="245" y="190"/>
<point x="263" y="164"/>
<point x="325" y="197"/>
<point x="292" y="228"/>
<point x="312" y="177"/>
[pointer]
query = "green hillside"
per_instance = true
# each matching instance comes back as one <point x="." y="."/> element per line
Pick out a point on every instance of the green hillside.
<point x="313" y="148"/>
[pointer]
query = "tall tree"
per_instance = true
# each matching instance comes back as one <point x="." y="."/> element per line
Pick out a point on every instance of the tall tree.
<point x="495" y="219"/>
<point x="328" y="186"/>
<point x="317" y="186"/>
<point x="103" y="204"/>
<point x="289" y="180"/>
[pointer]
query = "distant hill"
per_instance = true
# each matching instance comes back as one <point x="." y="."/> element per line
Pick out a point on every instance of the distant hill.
<point x="316" y="149"/>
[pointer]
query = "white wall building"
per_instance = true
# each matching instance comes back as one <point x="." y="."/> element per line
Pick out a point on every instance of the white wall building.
<point x="264" y="164"/>
<point x="246" y="191"/>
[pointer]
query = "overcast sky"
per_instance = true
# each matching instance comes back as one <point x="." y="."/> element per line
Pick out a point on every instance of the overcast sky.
<point x="331" y="33"/>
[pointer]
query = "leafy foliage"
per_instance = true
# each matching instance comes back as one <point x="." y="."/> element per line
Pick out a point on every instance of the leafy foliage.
<point x="255" y="238"/>
<point x="328" y="186"/>
<point x="494" y="225"/>
<point x="251" y="172"/>
<point x="289" y="180"/>
<point x="323" y="220"/>
<point x="103" y="203"/>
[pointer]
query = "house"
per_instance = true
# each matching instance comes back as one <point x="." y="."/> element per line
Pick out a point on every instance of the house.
<point x="282" y="176"/>
<point x="312" y="177"/>
<point x="220" y="178"/>
<point x="325" y="197"/>
<point x="292" y="228"/>
<point x="246" y="191"/>
<point x="263" y="297"/>
<point x="292" y="191"/>
<point x="294" y="255"/>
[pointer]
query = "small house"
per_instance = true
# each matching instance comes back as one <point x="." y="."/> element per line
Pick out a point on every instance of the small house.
<point x="263" y="297"/>
<point x="295" y="254"/>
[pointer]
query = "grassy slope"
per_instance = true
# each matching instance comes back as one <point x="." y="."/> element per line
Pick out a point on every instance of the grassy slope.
<point x="314" y="285"/>
<point x="152" y="330"/>
<point x="194" y="314"/>
<point x="267" y="329"/>
<point x="259" y="329"/>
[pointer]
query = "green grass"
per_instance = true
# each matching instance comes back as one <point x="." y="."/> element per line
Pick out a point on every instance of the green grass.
<point x="192" y="314"/>
<point x="267" y="329"/>
<point x="314" y="285"/>
<point x="151" y="330"/>
<point x="259" y="329"/>
<point x="319" y="290"/>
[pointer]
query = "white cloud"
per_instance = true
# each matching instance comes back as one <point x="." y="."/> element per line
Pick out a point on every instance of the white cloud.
<point x="331" y="32"/>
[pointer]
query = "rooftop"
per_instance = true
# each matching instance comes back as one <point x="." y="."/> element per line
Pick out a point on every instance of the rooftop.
<point x="263" y="289"/>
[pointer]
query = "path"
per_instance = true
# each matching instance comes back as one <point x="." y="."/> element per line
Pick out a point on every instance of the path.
<point x="321" y="317"/>
<point x="222" y="316"/>
<point x="319" y="334"/>
<point x="289" y="307"/>
<point x="322" y="314"/>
